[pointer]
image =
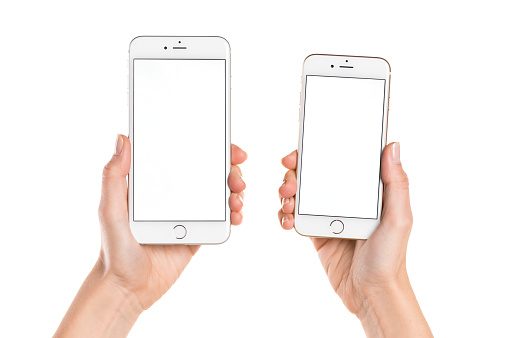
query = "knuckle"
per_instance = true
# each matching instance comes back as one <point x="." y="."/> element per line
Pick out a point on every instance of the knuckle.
<point x="107" y="171"/>
<point x="402" y="182"/>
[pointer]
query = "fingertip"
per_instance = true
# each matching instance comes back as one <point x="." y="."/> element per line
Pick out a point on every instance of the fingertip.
<point x="237" y="186"/>
<point x="391" y="153"/>
<point x="288" y="188"/>
<point x="236" y="217"/>
<point x="396" y="210"/>
<point x="118" y="146"/>
<point x="235" y="202"/>
<point x="287" y="223"/>
<point x="119" y="164"/>
<point x="392" y="170"/>
<point x="288" y="205"/>
<point x="125" y="142"/>
<point x="235" y="180"/>
<point x="290" y="161"/>
<point x="114" y="200"/>
<point x="240" y="185"/>
<point x="395" y="152"/>
<point x="125" y="155"/>
<point x="238" y="155"/>
<point x="284" y="202"/>
<point x="240" y="200"/>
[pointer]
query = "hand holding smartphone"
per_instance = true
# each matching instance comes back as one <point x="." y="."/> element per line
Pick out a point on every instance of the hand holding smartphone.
<point x="332" y="191"/>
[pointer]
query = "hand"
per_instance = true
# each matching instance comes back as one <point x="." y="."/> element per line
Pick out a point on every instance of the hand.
<point x="361" y="271"/>
<point x="147" y="271"/>
<point x="128" y="277"/>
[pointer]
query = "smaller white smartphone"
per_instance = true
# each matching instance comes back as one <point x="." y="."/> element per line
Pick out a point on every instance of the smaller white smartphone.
<point x="179" y="101"/>
<point x="343" y="131"/>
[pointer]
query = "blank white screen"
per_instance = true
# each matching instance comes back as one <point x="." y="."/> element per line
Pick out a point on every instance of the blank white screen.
<point x="342" y="135"/>
<point x="179" y="140"/>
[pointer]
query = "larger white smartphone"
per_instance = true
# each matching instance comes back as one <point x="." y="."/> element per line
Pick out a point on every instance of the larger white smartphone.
<point x="343" y="131"/>
<point x="180" y="133"/>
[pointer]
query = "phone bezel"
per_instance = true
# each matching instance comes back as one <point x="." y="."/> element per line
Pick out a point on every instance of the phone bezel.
<point x="362" y="67"/>
<point x="197" y="47"/>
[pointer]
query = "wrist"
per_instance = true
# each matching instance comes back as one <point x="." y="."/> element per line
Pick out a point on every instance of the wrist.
<point x="374" y="297"/>
<point x="392" y="310"/>
<point x="372" y="293"/>
<point x="100" y="308"/>
<point x="119" y="298"/>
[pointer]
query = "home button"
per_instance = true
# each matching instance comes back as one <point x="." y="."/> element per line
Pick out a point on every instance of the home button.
<point x="337" y="226"/>
<point x="180" y="231"/>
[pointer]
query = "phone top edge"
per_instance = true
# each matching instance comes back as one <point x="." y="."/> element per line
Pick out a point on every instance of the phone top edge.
<point x="131" y="41"/>
<point x="351" y="56"/>
<point x="180" y="36"/>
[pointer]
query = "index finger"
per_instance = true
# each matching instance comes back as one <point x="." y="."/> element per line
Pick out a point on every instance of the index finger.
<point x="238" y="156"/>
<point x="290" y="161"/>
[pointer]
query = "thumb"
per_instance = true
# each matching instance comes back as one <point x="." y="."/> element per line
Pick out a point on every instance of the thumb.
<point x="396" y="211"/>
<point x="113" y="209"/>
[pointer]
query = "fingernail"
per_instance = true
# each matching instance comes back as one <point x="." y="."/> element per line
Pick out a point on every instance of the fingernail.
<point x="284" y="219"/>
<point x="240" y="198"/>
<point x="283" y="183"/>
<point x="285" y="201"/>
<point x="396" y="153"/>
<point x="119" y="145"/>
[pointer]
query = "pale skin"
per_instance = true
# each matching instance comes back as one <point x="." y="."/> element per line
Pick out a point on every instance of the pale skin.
<point x="370" y="276"/>
<point x="128" y="277"/>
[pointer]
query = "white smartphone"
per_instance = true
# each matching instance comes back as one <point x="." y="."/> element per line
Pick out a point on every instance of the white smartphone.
<point x="343" y="131"/>
<point x="179" y="102"/>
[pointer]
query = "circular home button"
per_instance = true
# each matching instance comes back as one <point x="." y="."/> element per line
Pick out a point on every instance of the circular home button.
<point x="337" y="226"/>
<point x="180" y="231"/>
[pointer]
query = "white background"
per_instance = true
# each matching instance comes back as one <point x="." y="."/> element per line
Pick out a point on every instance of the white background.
<point x="177" y="104"/>
<point x="341" y="146"/>
<point x="63" y="98"/>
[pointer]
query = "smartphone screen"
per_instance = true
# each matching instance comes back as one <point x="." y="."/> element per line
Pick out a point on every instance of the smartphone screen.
<point x="179" y="140"/>
<point x="341" y="147"/>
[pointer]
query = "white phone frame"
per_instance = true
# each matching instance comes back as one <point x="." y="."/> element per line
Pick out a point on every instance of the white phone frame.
<point x="196" y="47"/>
<point x="358" y="67"/>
